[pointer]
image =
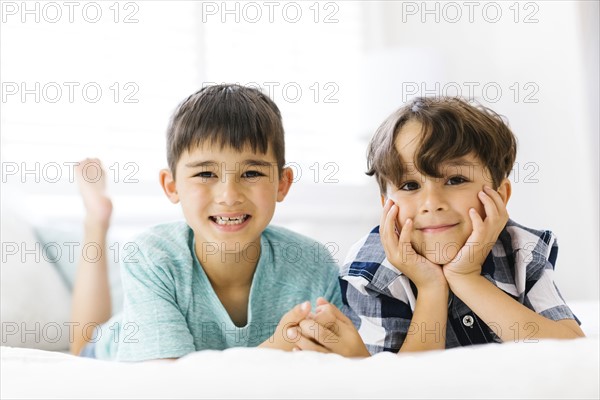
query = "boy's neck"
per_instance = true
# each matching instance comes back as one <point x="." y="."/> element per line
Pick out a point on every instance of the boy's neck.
<point x="228" y="270"/>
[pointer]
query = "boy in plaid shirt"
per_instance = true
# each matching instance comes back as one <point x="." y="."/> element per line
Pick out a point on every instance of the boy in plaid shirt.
<point x="446" y="267"/>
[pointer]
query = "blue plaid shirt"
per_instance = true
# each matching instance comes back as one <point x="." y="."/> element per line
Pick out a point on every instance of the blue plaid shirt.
<point x="380" y="300"/>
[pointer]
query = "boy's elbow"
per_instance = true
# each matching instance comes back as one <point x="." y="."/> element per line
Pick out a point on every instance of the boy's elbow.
<point x="571" y="329"/>
<point x="578" y="334"/>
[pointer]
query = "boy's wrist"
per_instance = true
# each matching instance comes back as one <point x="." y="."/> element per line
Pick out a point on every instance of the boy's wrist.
<point x="96" y="226"/>
<point x="433" y="288"/>
<point x="432" y="292"/>
<point x="456" y="280"/>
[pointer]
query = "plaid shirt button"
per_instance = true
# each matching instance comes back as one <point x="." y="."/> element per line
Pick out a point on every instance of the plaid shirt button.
<point x="468" y="321"/>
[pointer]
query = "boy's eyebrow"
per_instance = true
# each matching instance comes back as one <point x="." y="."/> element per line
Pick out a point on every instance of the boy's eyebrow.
<point x="212" y="163"/>
<point x="258" y="163"/>
<point x="195" y="164"/>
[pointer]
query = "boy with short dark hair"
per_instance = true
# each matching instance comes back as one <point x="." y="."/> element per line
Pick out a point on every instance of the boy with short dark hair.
<point x="224" y="277"/>
<point x="446" y="266"/>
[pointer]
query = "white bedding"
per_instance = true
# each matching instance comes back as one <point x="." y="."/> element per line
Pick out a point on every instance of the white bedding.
<point x="547" y="369"/>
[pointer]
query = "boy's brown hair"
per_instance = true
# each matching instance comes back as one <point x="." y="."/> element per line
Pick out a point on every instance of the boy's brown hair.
<point x="452" y="128"/>
<point x="226" y="115"/>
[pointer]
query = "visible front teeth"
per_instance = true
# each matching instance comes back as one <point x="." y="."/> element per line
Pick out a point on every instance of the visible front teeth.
<point x="230" y="220"/>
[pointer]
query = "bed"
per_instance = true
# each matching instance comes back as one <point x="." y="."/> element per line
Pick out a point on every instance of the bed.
<point x="544" y="369"/>
<point x="548" y="369"/>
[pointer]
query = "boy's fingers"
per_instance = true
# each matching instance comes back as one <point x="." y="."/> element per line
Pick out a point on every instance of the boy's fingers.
<point x="324" y="316"/>
<point x="406" y="232"/>
<point x="476" y="220"/>
<point x="327" y="313"/>
<point x="497" y="199"/>
<point x="322" y="301"/>
<point x="335" y="312"/>
<point x="292" y="334"/>
<point x="317" y="332"/>
<point x="488" y="205"/>
<point x="296" y="314"/>
<point x="389" y="233"/>
<point x="382" y="225"/>
<point x="494" y="207"/>
<point x="305" y="343"/>
<point x="384" y="213"/>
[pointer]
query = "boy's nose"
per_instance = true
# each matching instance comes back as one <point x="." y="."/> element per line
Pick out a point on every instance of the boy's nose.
<point x="433" y="200"/>
<point x="230" y="192"/>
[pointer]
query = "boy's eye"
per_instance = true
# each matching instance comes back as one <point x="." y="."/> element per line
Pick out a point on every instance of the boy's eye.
<point x="252" y="174"/>
<point x="410" y="186"/>
<point x="457" y="180"/>
<point x="205" y="175"/>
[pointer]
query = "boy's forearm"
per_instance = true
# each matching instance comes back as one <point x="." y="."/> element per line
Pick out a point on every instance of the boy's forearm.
<point x="91" y="291"/>
<point x="509" y="319"/>
<point x="427" y="330"/>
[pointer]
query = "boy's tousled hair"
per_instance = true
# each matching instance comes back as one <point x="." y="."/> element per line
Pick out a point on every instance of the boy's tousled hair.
<point x="227" y="115"/>
<point x="451" y="128"/>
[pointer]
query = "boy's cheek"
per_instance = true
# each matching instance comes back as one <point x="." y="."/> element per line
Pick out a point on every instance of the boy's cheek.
<point x="480" y="210"/>
<point x="405" y="213"/>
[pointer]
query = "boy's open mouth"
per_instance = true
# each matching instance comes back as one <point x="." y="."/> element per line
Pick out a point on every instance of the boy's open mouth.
<point x="238" y="219"/>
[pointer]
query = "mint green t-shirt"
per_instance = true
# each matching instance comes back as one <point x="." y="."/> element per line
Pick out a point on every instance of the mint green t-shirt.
<point x="170" y="308"/>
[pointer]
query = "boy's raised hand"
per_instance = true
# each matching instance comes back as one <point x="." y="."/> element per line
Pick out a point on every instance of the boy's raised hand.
<point x="471" y="256"/>
<point x="400" y="252"/>
<point x="279" y="339"/>
<point x="91" y="179"/>
<point x="328" y="331"/>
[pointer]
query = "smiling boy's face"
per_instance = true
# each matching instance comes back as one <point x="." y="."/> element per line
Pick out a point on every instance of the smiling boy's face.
<point x="439" y="207"/>
<point x="228" y="197"/>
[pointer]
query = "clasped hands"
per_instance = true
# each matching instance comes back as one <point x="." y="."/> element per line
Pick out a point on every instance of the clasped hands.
<point x="327" y="330"/>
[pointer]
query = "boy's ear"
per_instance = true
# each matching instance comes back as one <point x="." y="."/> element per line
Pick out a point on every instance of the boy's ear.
<point x="285" y="182"/>
<point x="168" y="184"/>
<point x="505" y="190"/>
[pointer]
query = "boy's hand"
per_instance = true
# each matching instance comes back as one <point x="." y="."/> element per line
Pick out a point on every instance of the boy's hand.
<point x="91" y="179"/>
<point x="485" y="233"/>
<point x="328" y="331"/>
<point x="279" y="339"/>
<point x="400" y="252"/>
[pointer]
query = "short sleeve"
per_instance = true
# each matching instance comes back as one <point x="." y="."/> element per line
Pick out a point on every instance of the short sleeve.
<point x="333" y="293"/>
<point x="153" y="324"/>
<point x="543" y="295"/>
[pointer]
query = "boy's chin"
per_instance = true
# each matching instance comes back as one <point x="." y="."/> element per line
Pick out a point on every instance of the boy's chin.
<point x="439" y="259"/>
<point x="440" y="255"/>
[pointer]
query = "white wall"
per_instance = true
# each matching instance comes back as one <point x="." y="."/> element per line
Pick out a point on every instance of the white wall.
<point x="374" y="53"/>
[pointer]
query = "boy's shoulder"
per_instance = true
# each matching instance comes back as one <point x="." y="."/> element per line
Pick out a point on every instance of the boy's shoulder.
<point x="523" y="249"/>
<point x="522" y="234"/>
<point x="279" y="234"/>
<point x="366" y="267"/>
<point x="526" y="244"/>
<point x="168" y="238"/>
<point x="294" y="247"/>
<point x="364" y="253"/>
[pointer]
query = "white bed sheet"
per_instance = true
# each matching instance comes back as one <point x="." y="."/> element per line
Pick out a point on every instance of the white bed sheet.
<point x="547" y="369"/>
